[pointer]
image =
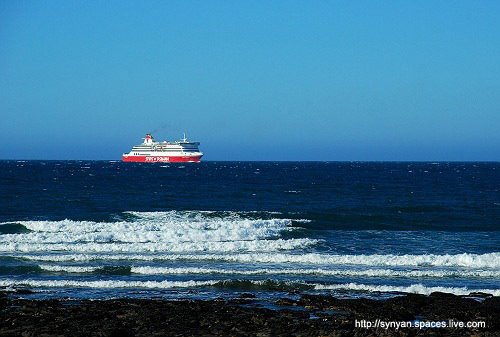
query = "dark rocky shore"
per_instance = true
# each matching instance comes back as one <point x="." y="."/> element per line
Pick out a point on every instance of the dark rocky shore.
<point x="311" y="315"/>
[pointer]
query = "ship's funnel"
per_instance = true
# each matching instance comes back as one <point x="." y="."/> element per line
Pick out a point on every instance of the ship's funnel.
<point x="148" y="139"/>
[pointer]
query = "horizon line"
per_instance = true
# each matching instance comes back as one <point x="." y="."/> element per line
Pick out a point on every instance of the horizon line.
<point x="278" y="161"/>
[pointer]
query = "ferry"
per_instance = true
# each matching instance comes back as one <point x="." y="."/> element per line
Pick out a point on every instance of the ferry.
<point x="151" y="151"/>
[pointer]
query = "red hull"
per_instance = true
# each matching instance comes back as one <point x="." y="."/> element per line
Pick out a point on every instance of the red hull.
<point x="162" y="159"/>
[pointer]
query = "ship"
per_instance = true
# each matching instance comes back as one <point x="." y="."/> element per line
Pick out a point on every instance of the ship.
<point x="151" y="151"/>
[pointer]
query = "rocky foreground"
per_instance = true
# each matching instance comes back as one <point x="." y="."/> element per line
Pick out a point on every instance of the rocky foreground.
<point x="311" y="315"/>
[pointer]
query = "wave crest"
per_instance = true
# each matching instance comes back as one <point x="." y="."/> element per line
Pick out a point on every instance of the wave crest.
<point x="174" y="231"/>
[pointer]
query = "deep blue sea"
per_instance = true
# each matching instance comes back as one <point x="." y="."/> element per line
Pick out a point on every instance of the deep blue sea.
<point x="107" y="229"/>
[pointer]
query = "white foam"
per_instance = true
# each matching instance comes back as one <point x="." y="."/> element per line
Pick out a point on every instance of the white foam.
<point x="230" y="246"/>
<point x="108" y="284"/>
<point x="151" y="231"/>
<point x="490" y="260"/>
<point x="69" y="269"/>
<point x="465" y="260"/>
<point x="150" y="270"/>
<point x="112" y="284"/>
<point x="174" y="226"/>
<point x="414" y="288"/>
<point x="154" y="270"/>
<point x="174" y="231"/>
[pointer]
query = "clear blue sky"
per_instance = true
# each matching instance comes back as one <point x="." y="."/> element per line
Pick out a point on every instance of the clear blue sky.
<point x="252" y="80"/>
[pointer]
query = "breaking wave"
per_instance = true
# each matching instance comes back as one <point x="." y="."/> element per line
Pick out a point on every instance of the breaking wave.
<point x="465" y="260"/>
<point x="12" y="228"/>
<point x="202" y="246"/>
<point x="414" y="289"/>
<point x="155" y="232"/>
<point x="164" y="227"/>
<point x="141" y="249"/>
<point x="246" y="285"/>
<point x="106" y="284"/>
<point x="153" y="270"/>
<point x="108" y="270"/>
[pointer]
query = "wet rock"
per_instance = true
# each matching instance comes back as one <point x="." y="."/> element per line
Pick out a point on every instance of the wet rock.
<point x="480" y="295"/>
<point x="286" y="302"/>
<point x="312" y="315"/>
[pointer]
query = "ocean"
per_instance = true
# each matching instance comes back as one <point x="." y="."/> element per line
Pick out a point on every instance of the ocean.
<point x="107" y="229"/>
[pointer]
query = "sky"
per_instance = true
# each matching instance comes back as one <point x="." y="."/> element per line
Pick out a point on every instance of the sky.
<point x="252" y="80"/>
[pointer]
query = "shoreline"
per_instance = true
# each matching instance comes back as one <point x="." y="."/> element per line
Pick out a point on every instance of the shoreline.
<point x="309" y="315"/>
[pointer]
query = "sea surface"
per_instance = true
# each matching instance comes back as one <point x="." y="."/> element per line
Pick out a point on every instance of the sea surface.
<point x="107" y="229"/>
